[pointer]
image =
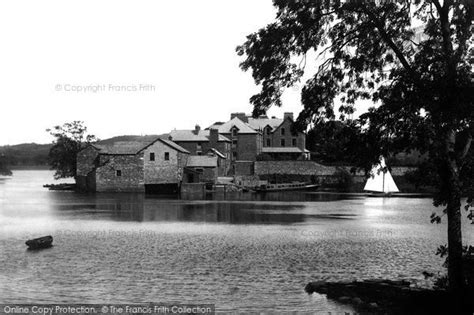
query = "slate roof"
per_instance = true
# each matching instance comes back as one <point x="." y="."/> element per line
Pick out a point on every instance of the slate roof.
<point x="217" y="152"/>
<point x="261" y="123"/>
<point x="190" y="135"/>
<point x="174" y="145"/>
<point x="201" y="161"/>
<point x="122" y="147"/>
<point x="227" y="127"/>
<point x="133" y="147"/>
<point x="282" y="150"/>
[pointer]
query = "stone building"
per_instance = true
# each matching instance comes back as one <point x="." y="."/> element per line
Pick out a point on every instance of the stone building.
<point x="205" y="142"/>
<point x="246" y="141"/>
<point x="131" y="166"/>
<point x="280" y="141"/>
<point x="201" y="169"/>
<point x="273" y="137"/>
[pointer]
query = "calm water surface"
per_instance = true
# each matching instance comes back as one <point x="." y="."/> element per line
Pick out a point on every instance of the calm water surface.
<point x="251" y="255"/>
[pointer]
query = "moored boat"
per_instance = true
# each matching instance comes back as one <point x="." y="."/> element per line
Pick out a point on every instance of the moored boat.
<point x="41" y="242"/>
<point x="380" y="183"/>
<point x="285" y="186"/>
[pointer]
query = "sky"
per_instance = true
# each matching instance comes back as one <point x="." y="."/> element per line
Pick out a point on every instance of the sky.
<point x="125" y="67"/>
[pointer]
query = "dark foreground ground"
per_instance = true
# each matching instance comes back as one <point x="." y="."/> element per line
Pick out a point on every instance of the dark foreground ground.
<point x="389" y="297"/>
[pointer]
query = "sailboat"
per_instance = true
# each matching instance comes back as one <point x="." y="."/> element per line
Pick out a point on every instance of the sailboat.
<point x="381" y="182"/>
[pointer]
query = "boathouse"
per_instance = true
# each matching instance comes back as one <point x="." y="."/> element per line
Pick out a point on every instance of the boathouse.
<point x="132" y="166"/>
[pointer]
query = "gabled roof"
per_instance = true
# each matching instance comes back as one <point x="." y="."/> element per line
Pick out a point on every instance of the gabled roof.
<point x="201" y="161"/>
<point x="235" y="122"/>
<point x="133" y="147"/>
<point x="191" y="135"/>
<point x="121" y="147"/>
<point x="261" y="123"/>
<point x="174" y="145"/>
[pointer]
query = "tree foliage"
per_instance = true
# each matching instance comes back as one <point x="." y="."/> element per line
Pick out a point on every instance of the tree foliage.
<point x="70" y="138"/>
<point x="3" y="166"/>
<point x="335" y="141"/>
<point x="420" y="78"/>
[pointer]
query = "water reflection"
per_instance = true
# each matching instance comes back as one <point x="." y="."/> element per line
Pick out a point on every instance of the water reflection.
<point x="141" y="208"/>
<point x="254" y="254"/>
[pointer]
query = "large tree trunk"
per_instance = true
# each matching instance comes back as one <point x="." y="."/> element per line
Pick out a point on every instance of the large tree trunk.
<point x="455" y="263"/>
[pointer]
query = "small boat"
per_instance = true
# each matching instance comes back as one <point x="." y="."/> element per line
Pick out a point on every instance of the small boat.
<point x="285" y="186"/>
<point x="41" y="242"/>
<point x="64" y="186"/>
<point x="380" y="183"/>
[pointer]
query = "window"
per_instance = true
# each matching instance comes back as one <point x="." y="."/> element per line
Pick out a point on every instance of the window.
<point x="269" y="143"/>
<point x="282" y="142"/>
<point x="282" y="130"/>
<point x="234" y="155"/>
<point x="152" y="156"/>
<point x="234" y="132"/>
<point x="167" y="156"/>
<point x="118" y="173"/>
<point x="198" y="152"/>
<point x="199" y="146"/>
<point x="293" y="142"/>
<point x="268" y="131"/>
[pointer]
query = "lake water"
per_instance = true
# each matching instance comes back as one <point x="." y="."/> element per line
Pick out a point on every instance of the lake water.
<point x="251" y="255"/>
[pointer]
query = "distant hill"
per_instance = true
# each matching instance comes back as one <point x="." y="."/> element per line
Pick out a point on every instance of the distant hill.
<point x="133" y="138"/>
<point x="33" y="154"/>
<point x="25" y="154"/>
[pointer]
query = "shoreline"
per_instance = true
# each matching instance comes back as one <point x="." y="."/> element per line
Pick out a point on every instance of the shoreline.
<point x="381" y="296"/>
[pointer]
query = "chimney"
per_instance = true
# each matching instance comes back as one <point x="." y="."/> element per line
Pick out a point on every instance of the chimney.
<point x="240" y="116"/>
<point x="213" y="137"/>
<point x="289" y="115"/>
<point x="196" y="130"/>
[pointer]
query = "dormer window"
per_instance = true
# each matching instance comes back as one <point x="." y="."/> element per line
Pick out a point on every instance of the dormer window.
<point x="269" y="131"/>
<point x="234" y="132"/>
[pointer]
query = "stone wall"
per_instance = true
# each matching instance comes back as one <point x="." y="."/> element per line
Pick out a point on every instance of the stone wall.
<point x="86" y="160"/>
<point x="313" y="168"/>
<point x="162" y="171"/>
<point x="245" y="168"/>
<point x="221" y="146"/>
<point x="131" y="178"/>
<point x="247" y="146"/>
<point x="193" y="190"/>
<point x="209" y="174"/>
<point x="276" y="136"/>
<point x="292" y="167"/>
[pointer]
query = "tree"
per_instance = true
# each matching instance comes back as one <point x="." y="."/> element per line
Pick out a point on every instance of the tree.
<point x="420" y="78"/>
<point x="3" y="166"/>
<point x="335" y="141"/>
<point x="70" y="138"/>
<point x="344" y="143"/>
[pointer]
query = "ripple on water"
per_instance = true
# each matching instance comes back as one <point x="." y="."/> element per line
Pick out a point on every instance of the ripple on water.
<point x="247" y="256"/>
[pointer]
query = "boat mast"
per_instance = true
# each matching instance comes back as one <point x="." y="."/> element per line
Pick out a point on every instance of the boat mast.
<point x="383" y="182"/>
